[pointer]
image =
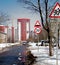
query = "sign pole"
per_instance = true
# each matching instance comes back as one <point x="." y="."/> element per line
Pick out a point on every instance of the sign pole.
<point x="57" y="53"/>
<point x="38" y="42"/>
<point x="55" y="13"/>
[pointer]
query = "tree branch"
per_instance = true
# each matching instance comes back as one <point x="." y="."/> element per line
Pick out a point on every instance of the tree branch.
<point x="41" y="15"/>
<point x="3" y="18"/>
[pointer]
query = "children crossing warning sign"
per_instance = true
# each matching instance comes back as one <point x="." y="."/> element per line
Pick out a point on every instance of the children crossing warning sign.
<point x="55" y="13"/>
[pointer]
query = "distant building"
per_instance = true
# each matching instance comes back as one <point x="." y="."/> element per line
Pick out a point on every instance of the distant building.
<point x="16" y="35"/>
<point x="3" y="35"/>
<point x="10" y="34"/>
<point x="23" y="29"/>
<point x="2" y="28"/>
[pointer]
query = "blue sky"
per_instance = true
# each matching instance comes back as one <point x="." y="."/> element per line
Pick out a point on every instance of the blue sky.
<point x="15" y="10"/>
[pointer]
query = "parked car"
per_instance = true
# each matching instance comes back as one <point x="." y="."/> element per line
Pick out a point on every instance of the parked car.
<point x="38" y="44"/>
<point x="44" y="42"/>
<point x="24" y="42"/>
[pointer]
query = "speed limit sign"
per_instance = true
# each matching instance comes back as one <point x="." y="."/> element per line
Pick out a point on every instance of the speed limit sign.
<point x="37" y="30"/>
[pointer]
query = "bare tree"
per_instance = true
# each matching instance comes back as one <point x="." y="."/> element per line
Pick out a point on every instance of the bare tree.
<point x="3" y="18"/>
<point x="42" y="9"/>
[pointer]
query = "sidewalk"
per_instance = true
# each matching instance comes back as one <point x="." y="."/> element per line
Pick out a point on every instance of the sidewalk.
<point x="43" y="55"/>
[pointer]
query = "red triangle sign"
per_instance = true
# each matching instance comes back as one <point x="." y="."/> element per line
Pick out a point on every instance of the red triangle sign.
<point x="37" y="23"/>
<point x="55" y="13"/>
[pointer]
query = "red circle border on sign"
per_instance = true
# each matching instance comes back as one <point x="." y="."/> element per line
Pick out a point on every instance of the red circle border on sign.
<point x="39" y="28"/>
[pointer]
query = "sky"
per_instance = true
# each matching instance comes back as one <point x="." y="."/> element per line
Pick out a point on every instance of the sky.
<point x="16" y="10"/>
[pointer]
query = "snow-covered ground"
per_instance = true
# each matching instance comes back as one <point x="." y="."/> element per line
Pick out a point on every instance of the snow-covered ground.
<point x="43" y="55"/>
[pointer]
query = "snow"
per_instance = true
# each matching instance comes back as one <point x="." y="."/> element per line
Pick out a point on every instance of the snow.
<point x="33" y="45"/>
<point x="42" y="52"/>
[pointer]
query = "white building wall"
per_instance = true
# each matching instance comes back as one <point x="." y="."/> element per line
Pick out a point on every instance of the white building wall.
<point x="5" y="30"/>
<point x="27" y="30"/>
<point x="19" y="30"/>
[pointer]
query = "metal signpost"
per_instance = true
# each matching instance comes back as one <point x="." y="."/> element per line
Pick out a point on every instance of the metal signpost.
<point x="37" y="30"/>
<point x="56" y="14"/>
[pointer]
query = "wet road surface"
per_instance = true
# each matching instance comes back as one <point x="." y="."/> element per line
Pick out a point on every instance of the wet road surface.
<point x="11" y="56"/>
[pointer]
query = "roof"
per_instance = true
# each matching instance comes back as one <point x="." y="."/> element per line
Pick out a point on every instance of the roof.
<point x="23" y="19"/>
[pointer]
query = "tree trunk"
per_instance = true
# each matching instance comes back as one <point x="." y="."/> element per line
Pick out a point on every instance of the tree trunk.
<point x="50" y="44"/>
<point x="47" y="29"/>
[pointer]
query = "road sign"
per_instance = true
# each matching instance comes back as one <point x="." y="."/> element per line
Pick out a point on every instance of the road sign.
<point x="37" y="27"/>
<point x="55" y="13"/>
<point x="37" y="30"/>
<point x="37" y="23"/>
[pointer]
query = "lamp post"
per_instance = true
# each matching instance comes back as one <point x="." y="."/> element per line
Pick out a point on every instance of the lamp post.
<point x="12" y="32"/>
<point x="57" y="45"/>
<point x="58" y="37"/>
<point x="58" y="34"/>
<point x="13" y="35"/>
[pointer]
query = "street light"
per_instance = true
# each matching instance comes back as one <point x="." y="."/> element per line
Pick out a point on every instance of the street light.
<point x="58" y="34"/>
<point x="57" y="45"/>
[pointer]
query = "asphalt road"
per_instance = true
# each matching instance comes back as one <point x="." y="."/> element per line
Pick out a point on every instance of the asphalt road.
<point x="11" y="56"/>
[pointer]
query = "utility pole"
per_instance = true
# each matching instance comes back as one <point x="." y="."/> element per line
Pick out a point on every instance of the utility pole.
<point x="12" y="32"/>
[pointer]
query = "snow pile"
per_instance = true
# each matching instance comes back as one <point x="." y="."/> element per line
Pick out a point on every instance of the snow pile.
<point x="42" y="52"/>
